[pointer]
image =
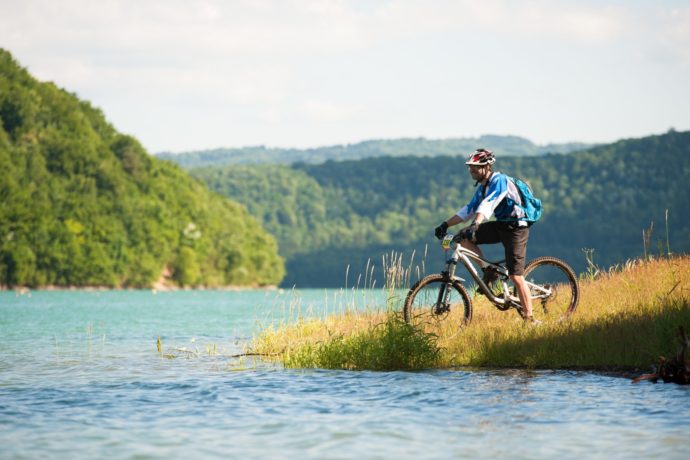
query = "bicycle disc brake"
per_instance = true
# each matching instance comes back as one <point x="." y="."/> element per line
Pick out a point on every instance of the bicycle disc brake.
<point x="440" y="310"/>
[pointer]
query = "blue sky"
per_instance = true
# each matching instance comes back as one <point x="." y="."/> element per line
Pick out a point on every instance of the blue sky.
<point x="190" y="75"/>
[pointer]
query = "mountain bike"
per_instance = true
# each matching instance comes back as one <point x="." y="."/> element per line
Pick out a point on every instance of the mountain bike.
<point x="551" y="282"/>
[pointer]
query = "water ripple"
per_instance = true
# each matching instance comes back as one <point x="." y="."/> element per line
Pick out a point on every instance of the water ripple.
<point x="104" y="391"/>
<point x="338" y="414"/>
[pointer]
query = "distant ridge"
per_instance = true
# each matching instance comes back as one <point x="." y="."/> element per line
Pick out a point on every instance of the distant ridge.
<point x="418" y="147"/>
<point x="329" y="216"/>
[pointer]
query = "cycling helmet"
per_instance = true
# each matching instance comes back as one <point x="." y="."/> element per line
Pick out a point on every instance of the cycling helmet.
<point x="481" y="157"/>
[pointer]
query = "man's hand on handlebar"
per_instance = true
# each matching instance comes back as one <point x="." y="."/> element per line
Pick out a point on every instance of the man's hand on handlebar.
<point x="466" y="233"/>
<point x="441" y="230"/>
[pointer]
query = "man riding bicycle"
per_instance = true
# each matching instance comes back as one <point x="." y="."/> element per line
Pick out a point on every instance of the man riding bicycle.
<point x="491" y="198"/>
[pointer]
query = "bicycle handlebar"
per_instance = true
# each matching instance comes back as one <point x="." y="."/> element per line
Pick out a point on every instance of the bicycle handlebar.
<point x="449" y="237"/>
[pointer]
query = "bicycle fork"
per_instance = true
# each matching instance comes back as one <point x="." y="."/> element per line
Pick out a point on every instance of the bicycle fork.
<point x="443" y="300"/>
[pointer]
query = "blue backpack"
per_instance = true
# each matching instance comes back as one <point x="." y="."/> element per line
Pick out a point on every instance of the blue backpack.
<point x="530" y="204"/>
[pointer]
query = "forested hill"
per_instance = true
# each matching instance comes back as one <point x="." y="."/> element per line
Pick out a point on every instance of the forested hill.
<point x="509" y="145"/>
<point x="336" y="214"/>
<point x="83" y="205"/>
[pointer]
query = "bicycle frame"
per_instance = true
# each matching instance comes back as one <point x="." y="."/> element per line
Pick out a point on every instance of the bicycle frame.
<point x="466" y="256"/>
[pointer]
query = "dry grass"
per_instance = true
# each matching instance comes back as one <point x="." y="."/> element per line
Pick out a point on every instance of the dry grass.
<point x="627" y="317"/>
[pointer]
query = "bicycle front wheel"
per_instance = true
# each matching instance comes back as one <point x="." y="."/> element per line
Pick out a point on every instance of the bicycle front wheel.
<point x="428" y="303"/>
<point x="554" y="289"/>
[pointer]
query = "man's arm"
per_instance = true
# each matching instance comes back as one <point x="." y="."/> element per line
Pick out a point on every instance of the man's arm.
<point x="478" y="219"/>
<point x="454" y="220"/>
<point x="496" y="192"/>
<point x="462" y="215"/>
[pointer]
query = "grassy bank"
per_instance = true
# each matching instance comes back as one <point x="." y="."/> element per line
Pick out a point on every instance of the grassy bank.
<point x="626" y="319"/>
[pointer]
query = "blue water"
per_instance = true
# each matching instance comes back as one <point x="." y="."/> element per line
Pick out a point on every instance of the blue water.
<point x="80" y="377"/>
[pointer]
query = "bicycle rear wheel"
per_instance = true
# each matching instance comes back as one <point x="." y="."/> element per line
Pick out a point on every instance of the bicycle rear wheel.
<point x="425" y="305"/>
<point x="554" y="289"/>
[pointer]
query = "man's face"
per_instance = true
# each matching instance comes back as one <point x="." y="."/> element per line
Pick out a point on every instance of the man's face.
<point x="477" y="172"/>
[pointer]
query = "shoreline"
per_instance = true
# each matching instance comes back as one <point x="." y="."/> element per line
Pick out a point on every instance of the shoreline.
<point x="626" y="320"/>
<point x="612" y="371"/>
<point x="22" y="290"/>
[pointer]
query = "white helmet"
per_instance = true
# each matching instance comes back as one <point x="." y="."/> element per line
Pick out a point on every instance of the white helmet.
<point x="481" y="157"/>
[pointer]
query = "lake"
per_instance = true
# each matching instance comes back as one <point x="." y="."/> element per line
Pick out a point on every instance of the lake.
<point x="80" y="377"/>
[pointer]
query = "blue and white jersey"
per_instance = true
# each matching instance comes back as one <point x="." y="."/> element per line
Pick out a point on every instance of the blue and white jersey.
<point x="493" y="202"/>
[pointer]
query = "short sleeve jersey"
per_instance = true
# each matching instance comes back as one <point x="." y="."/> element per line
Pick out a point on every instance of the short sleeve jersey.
<point x="491" y="200"/>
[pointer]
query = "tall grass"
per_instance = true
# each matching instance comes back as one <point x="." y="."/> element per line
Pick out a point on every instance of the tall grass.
<point x="627" y="318"/>
<point x="390" y="345"/>
<point x="377" y="339"/>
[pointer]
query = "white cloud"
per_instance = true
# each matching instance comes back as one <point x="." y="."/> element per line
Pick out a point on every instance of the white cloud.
<point x="298" y="27"/>
<point x="673" y="37"/>
<point x="585" y="23"/>
<point x="575" y="23"/>
<point x="327" y="112"/>
<point x="265" y="62"/>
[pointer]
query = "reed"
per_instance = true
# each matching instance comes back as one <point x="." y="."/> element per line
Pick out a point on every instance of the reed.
<point x="627" y="318"/>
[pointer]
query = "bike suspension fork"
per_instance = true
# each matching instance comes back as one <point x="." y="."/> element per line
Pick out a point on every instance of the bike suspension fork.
<point x="449" y="274"/>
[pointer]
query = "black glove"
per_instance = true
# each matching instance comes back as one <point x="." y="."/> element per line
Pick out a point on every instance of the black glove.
<point x="465" y="234"/>
<point x="441" y="230"/>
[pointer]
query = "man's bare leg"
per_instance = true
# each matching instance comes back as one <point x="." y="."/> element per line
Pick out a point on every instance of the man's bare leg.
<point x="523" y="293"/>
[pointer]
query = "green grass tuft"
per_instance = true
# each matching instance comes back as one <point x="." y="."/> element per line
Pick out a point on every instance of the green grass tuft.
<point x="390" y="345"/>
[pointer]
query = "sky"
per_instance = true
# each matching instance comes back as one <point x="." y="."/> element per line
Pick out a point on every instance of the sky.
<point x="184" y="75"/>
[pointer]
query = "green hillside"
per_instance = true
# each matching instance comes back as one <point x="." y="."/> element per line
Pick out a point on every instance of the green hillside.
<point x="335" y="214"/>
<point x="83" y="205"/>
<point x="511" y="145"/>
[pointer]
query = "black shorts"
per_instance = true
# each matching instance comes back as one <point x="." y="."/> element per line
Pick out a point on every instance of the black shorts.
<point x="513" y="238"/>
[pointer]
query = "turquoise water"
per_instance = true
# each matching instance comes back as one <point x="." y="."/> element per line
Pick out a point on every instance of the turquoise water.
<point x="80" y="377"/>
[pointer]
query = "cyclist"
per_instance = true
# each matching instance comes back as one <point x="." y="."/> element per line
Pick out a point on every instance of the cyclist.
<point x="489" y="199"/>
